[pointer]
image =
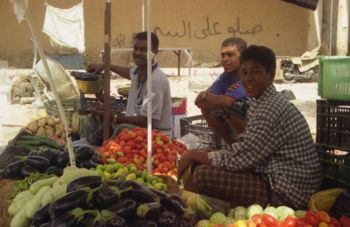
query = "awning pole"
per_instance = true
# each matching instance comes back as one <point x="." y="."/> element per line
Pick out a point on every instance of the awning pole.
<point x="143" y="15"/>
<point x="53" y="87"/>
<point x="149" y="89"/>
<point x="107" y="73"/>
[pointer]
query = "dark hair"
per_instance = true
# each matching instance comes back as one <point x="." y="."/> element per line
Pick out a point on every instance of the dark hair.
<point x="261" y="54"/>
<point x="154" y="38"/>
<point x="235" y="41"/>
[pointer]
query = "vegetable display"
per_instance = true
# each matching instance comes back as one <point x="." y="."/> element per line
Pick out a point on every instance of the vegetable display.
<point x="130" y="146"/>
<point x="81" y="197"/>
<point x="49" y="127"/>
<point x="282" y="216"/>
<point x="130" y="172"/>
<point x="46" y="156"/>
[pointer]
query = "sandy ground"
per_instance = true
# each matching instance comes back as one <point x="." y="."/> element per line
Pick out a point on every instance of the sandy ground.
<point x="14" y="117"/>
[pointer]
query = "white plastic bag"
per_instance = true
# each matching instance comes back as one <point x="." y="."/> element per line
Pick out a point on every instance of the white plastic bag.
<point x="191" y="141"/>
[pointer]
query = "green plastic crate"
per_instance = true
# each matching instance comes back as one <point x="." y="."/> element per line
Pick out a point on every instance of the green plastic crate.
<point x="334" y="78"/>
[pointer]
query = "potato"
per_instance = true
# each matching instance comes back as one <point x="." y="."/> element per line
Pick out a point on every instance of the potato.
<point x="41" y="122"/>
<point x="59" y="126"/>
<point x="51" y="121"/>
<point x="33" y="127"/>
<point x="49" y="131"/>
<point x="41" y="131"/>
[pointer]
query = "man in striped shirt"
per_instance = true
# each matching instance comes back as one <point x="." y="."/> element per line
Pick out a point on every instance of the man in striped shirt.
<point x="274" y="160"/>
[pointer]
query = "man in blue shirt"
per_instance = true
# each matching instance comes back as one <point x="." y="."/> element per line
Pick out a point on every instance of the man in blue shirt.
<point x="224" y="104"/>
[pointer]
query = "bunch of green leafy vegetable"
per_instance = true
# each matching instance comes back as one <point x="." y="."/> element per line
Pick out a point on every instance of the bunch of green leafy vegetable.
<point x="26" y="182"/>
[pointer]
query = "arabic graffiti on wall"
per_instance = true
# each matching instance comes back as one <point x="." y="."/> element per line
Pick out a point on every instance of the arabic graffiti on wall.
<point x="187" y="30"/>
<point x="210" y="29"/>
<point x="118" y="40"/>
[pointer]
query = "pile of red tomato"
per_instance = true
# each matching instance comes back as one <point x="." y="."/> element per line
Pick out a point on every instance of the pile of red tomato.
<point x="130" y="146"/>
<point x="311" y="219"/>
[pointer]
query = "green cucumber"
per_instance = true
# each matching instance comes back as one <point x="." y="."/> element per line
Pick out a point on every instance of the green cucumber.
<point x="27" y="147"/>
<point x="27" y="137"/>
<point x="27" y="142"/>
<point x="49" y="142"/>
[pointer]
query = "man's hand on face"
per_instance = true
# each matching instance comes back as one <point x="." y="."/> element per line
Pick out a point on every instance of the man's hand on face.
<point x="95" y="68"/>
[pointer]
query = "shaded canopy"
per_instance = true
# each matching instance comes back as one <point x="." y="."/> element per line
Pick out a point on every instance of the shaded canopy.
<point x="309" y="4"/>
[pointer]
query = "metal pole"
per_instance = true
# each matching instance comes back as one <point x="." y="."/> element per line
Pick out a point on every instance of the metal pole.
<point x="143" y="15"/>
<point x="53" y="87"/>
<point x="107" y="73"/>
<point x="149" y="89"/>
<point x="342" y="28"/>
<point x="331" y="28"/>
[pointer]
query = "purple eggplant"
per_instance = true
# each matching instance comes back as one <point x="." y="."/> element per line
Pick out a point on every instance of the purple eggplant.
<point x="54" y="170"/>
<point x="166" y="219"/>
<point x="37" y="162"/>
<point x="71" y="200"/>
<point x="117" y="222"/>
<point x="125" y="208"/>
<point x="13" y="170"/>
<point x="84" y="182"/>
<point x="42" y="216"/>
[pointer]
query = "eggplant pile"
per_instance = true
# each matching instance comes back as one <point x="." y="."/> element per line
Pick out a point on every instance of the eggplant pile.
<point x="91" y="202"/>
<point x="50" y="161"/>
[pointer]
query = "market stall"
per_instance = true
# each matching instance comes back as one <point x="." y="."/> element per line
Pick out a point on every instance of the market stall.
<point x="130" y="179"/>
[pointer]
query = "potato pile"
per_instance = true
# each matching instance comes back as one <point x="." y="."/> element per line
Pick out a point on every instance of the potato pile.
<point x="47" y="126"/>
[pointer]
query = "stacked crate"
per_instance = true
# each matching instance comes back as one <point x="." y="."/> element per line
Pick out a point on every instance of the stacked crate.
<point x="198" y="126"/>
<point x="333" y="120"/>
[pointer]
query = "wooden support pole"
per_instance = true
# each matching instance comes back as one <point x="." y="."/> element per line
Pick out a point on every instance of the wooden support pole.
<point x="107" y="73"/>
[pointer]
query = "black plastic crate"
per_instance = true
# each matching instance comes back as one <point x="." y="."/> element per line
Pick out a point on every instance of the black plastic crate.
<point x="118" y="105"/>
<point x="198" y="126"/>
<point x="333" y="124"/>
<point x="335" y="165"/>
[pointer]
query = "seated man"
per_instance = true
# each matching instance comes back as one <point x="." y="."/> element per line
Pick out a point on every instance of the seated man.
<point x="274" y="160"/>
<point x="136" y="109"/>
<point x="224" y="104"/>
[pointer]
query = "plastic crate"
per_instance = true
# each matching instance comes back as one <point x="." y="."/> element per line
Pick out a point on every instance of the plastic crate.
<point x="334" y="78"/>
<point x="118" y="105"/>
<point x="198" y="126"/>
<point x="336" y="167"/>
<point x="179" y="106"/>
<point x="70" y="107"/>
<point x="333" y="124"/>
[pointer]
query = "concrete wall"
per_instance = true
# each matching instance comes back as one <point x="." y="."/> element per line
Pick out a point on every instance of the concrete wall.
<point x="200" y="25"/>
